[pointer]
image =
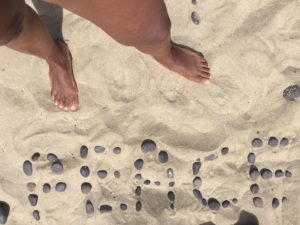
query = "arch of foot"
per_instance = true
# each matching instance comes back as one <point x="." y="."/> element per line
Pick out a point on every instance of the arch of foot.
<point x="265" y="173"/>
<point x="55" y="166"/>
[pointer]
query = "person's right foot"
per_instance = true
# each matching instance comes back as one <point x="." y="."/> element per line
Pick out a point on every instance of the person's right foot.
<point x="64" y="91"/>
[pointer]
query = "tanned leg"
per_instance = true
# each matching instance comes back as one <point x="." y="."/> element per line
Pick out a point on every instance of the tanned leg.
<point x="22" y="30"/>
<point x="144" y="24"/>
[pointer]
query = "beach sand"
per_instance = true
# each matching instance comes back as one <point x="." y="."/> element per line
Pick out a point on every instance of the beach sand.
<point x="253" y="49"/>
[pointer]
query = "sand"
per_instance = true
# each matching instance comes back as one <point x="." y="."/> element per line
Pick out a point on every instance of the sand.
<point x="253" y="49"/>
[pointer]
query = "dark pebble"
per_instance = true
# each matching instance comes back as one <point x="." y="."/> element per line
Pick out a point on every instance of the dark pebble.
<point x="211" y="157"/>
<point x="60" y="187"/>
<point x="157" y="183"/>
<point x="123" y="207"/>
<point x="163" y="156"/>
<point x="254" y="188"/>
<point x="27" y="168"/>
<point x="258" y="202"/>
<point x="138" y="206"/>
<point x="273" y="142"/>
<point x="33" y="199"/>
<point x="138" y="191"/>
<point x="253" y="172"/>
<point x="197" y="182"/>
<point x="266" y="173"/>
<point x="86" y="188"/>
<point x="275" y="203"/>
<point x="57" y="167"/>
<point x="85" y="171"/>
<point x="31" y="186"/>
<point x="251" y="157"/>
<point x="279" y="173"/>
<point x="234" y="201"/>
<point x="148" y="146"/>
<point x="117" y="174"/>
<point x="291" y="93"/>
<point x="197" y="194"/>
<point x="225" y="204"/>
<point x="89" y="207"/>
<point x="284" y="141"/>
<point x="99" y="149"/>
<point x="196" y="167"/>
<point x="172" y="184"/>
<point x="117" y="150"/>
<point x="171" y="196"/>
<point x="170" y="173"/>
<point x="225" y="150"/>
<point x="52" y="158"/>
<point x="194" y="2"/>
<point x="213" y="204"/>
<point x="257" y="143"/>
<point x="102" y="174"/>
<point x="84" y="152"/>
<point x="46" y="188"/>
<point x="138" y="164"/>
<point x="105" y="208"/>
<point x="36" y="215"/>
<point x="138" y="176"/>
<point x="204" y="202"/>
<point x="195" y="18"/>
<point x="172" y="206"/>
<point x="35" y="156"/>
<point x="4" y="212"/>
<point x="147" y="182"/>
<point x="288" y="173"/>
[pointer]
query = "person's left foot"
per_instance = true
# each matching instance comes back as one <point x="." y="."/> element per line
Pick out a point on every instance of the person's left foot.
<point x="64" y="91"/>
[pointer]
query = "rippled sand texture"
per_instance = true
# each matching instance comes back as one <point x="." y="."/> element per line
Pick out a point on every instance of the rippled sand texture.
<point x="253" y="49"/>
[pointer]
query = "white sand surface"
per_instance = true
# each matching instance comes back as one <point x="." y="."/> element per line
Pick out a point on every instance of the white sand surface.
<point x="253" y="49"/>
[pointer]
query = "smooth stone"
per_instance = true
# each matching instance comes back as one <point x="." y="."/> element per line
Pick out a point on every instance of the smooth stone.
<point x="31" y="186"/>
<point x="84" y="152"/>
<point x="138" y="191"/>
<point x="258" y="202"/>
<point x="225" y="204"/>
<point x="197" y="194"/>
<point x="234" y="201"/>
<point x="170" y="173"/>
<point x="33" y="199"/>
<point x="99" y="149"/>
<point x="195" y="18"/>
<point x="211" y="157"/>
<point x="147" y="182"/>
<point x="85" y="171"/>
<point x="253" y="172"/>
<point x="291" y="93"/>
<point x="117" y="150"/>
<point x="171" y="196"/>
<point x="117" y="174"/>
<point x="138" y="176"/>
<point x="288" y="173"/>
<point x="46" y="188"/>
<point x="4" y="212"/>
<point x="284" y="141"/>
<point x="279" y="173"/>
<point x="123" y="207"/>
<point x="273" y="142"/>
<point x="102" y="174"/>
<point x="213" y="204"/>
<point x="251" y="157"/>
<point x="275" y="203"/>
<point x="138" y="164"/>
<point x="225" y="150"/>
<point x="86" y="188"/>
<point x="60" y="187"/>
<point x="197" y="182"/>
<point x="148" y="146"/>
<point x="254" y="188"/>
<point x="57" y="167"/>
<point x="52" y="158"/>
<point x="27" y="168"/>
<point x="157" y="183"/>
<point x="163" y="156"/>
<point x="257" y="143"/>
<point x="105" y="208"/>
<point x="35" y="156"/>
<point x="266" y="173"/>
<point x="89" y="207"/>
<point x="36" y="215"/>
<point x="196" y="167"/>
<point x="138" y="206"/>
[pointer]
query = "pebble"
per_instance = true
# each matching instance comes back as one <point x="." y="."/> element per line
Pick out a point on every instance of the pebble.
<point x="85" y="171"/>
<point x="163" y="156"/>
<point x="138" y="164"/>
<point x="195" y="18"/>
<point x="99" y="149"/>
<point x="36" y="215"/>
<point x="196" y="167"/>
<point x="27" y="168"/>
<point x="257" y="143"/>
<point x="84" y="152"/>
<point x="4" y="212"/>
<point x="46" y="188"/>
<point x="86" y="188"/>
<point x="89" y="207"/>
<point x="35" y="156"/>
<point x="105" y="208"/>
<point x="148" y="146"/>
<point x="258" y="202"/>
<point x="213" y="204"/>
<point x="52" y="158"/>
<point x="61" y="187"/>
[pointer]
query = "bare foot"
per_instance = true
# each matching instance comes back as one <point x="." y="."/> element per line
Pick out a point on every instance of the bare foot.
<point x="64" y="92"/>
<point x="187" y="62"/>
